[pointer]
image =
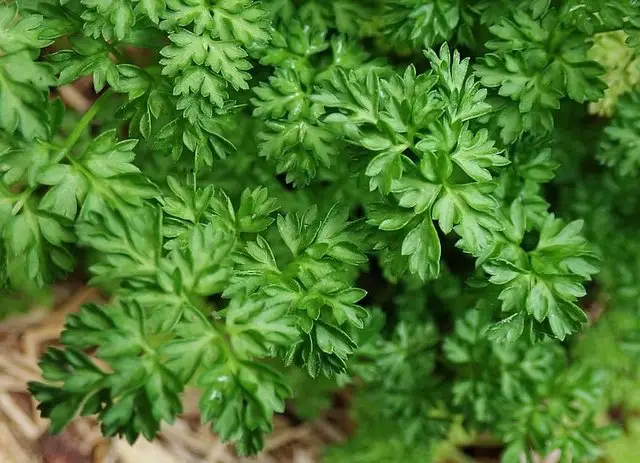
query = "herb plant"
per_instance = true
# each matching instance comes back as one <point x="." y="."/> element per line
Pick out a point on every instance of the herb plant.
<point x="407" y="196"/>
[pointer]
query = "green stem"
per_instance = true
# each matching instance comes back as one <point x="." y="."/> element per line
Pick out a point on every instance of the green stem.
<point x="22" y="199"/>
<point x="221" y="332"/>
<point x="82" y="124"/>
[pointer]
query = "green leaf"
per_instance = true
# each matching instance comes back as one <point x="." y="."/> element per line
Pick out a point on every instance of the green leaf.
<point x="203" y="265"/>
<point x="422" y="245"/>
<point x="86" y="57"/>
<point x="473" y="210"/>
<point x="23" y="95"/>
<point x="35" y="243"/>
<point x="230" y="20"/>
<point x="540" y="301"/>
<point x="108" y="19"/>
<point x="130" y="244"/>
<point x="507" y="330"/>
<point x="152" y="9"/>
<point x="388" y="218"/>
<point x="384" y="169"/>
<point x="527" y="68"/>
<point x="406" y="23"/>
<point x="547" y="280"/>
<point x="242" y="401"/>
<point x="299" y="148"/>
<point x="59" y="404"/>
<point x="103" y="175"/>
<point x="20" y="32"/>
<point x="256" y="328"/>
<point x="415" y="193"/>
<point x="475" y="153"/>
<point x="222" y="58"/>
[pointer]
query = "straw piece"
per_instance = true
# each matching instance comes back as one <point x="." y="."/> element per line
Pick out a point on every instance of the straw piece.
<point x="143" y="451"/>
<point x="73" y="303"/>
<point x="91" y="435"/>
<point x="20" y="419"/>
<point x="10" y="384"/>
<point x="34" y="337"/>
<point x="218" y="454"/>
<point x="180" y="452"/>
<point x="329" y="430"/>
<point x="74" y="98"/>
<point x="10" y="449"/>
<point x="17" y="323"/>
<point x="15" y="367"/>
<point x="286" y="437"/>
<point x="180" y="431"/>
<point x="103" y="452"/>
<point x="302" y="456"/>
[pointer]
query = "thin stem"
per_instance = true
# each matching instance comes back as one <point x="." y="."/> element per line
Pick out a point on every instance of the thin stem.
<point x="220" y="330"/>
<point x="22" y="199"/>
<point x="82" y="124"/>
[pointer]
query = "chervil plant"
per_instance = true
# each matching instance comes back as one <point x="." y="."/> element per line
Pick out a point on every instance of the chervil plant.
<point x="406" y="195"/>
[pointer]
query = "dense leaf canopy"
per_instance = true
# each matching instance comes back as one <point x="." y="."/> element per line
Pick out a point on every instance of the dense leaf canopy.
<point x="407" y="192"/>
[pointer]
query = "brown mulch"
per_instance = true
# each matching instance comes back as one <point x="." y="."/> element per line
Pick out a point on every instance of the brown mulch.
<point x="24" y="437"/>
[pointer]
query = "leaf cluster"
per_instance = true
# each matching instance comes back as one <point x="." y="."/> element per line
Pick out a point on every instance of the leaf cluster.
<point x="408" y="196"/>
